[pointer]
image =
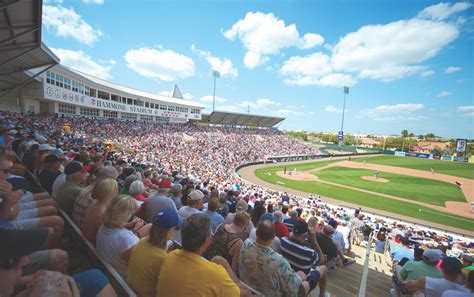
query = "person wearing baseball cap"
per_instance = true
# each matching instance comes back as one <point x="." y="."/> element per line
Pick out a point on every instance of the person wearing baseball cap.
<point x="76" y="175"/>
<point x="50" y="172"/>
<point x="195" y="204"/>
<point x="435" y="287"/>
<point x="413" y="270"/>
<point x="147" y="257"/>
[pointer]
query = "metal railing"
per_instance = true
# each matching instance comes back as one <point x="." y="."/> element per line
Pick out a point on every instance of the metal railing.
<point x="365" y="271"/>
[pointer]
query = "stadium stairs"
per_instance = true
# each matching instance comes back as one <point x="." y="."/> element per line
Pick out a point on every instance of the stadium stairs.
<point x="345" y="282"/>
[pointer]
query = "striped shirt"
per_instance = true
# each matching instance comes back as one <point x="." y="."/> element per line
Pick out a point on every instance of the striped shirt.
<point x="300" y="257"/>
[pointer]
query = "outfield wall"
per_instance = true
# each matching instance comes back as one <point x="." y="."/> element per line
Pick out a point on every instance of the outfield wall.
<point x="429" y="156"/>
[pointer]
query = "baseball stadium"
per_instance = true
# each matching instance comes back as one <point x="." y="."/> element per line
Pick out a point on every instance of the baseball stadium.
<point x="109" y="189"/>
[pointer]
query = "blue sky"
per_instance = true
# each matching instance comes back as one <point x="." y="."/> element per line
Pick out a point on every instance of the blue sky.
<point x="409" y="64"/>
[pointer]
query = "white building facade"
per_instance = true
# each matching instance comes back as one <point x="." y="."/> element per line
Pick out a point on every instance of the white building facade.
<point x="69" y="92"/>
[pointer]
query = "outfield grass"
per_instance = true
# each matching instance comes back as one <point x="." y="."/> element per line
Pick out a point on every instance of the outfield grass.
<point x="365" y="199"/>
<point x="447" y="167"/>
<point x="403" y="186"/>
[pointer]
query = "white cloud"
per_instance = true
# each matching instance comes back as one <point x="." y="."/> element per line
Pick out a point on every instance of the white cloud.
<point x="209" y="98"/>
<point x="67" y="23"/>
<point x="159" y="63"/>
<point x="224" y="65"/>
<point x="391" y="51"/>
<point x="452" y="69"/>
<point x="81" y="61"/>
<point x="443" y="10"/>
<point x="165" y="93"/>
<point x="467" y="110"/>
<point x="93" y="1"/>
<point x="332" y="108"/>
<point x="443" y="94"/>
<point x="264" y="34"/>
<point x="427" y="73"/>
<point x="314" y="69"/>
<point x="393" y="112"/>
<point x="260" y="103"/>
<point x="287" y="112"/>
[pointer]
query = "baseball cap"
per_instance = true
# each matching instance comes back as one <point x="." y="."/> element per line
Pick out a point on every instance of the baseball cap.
<point x="432" y="255"/>
<point x="74" y="167"/>
<point x="241" y="205"/>
<point x="167" y="218"/>
<point x="267" y="216"/>
<point x="46" y="147"/>
<point x="332" y="223"/>
<point x="165" y="184"/>
<point x="195" y="195"/>
<point x="300" y="227"/>
<point x="18" y="243"/>
<point x="50" y="159"/>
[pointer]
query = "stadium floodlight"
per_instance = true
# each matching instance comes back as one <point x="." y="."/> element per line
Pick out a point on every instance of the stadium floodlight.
<point x="216" y="74"/>
<point x="341" y="133"/>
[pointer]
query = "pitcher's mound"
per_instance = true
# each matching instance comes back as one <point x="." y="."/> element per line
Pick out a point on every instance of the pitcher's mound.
<point x="378" y="179"/>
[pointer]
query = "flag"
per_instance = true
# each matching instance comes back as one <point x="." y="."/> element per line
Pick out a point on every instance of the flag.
<point x="346" y="90"/>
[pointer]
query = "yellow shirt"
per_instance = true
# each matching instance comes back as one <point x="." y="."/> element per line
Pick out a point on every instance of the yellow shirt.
<point x="144" y="268"/>
<point x="67" y="129"/>
<point x="187" y="274"/>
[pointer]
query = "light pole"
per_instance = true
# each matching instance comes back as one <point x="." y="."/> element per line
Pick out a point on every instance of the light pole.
<point x="341" y="133"/>
<point x="216" y="74"/>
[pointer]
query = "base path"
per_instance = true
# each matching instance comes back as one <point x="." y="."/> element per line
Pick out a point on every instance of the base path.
<point x="248" y="173"/>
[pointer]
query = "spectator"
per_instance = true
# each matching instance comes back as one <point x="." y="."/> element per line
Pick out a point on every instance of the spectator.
<point x="114" y="242"/>
<point x="157" y="203"/>
<point x="50" y="172"/>
<point x="177" y="193"/>
<point x="266" y="270"/>
<point x="329" y="248"/>
<point x="186" y="273"/>
<point x="289" y="223"/>
<point x="216" y="219"/>
<point x="469" y="286"/>
<point x="76" y="174"/>
<point x="435" y="287"/>
<point x="104" y="192"/>
<point x="150" y="253"/>
<point x="413" y="270"/>
<point x="227" y="241"/>
<point x="380" y="241"/>
<point x="280" y="229"/>
<point x="398" y="252"/>
<point x="195" y="203"/>
<point x="137" y="191"/>
<point x="276" y="245"/>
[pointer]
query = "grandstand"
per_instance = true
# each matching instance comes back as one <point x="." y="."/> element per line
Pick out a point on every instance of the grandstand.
<point x="158" y="152"/>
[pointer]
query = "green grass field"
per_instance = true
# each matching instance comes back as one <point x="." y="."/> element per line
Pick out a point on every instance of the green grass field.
<point x="363" y="199"/>
<point x="403" y="186"/>
<point x="446" y="167"/>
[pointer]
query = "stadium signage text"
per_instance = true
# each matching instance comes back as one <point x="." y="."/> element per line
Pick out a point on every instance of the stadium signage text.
<point x="70" y="97"/>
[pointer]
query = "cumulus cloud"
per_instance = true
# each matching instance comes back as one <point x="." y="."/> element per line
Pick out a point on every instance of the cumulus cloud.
<point x="81" y="61"/>
<point x="427" y="73"/>
<point x="392" y="51"/>
<point x="209" y="98"/>
<point x="223" y="65"/>
<point x="67" y="23"/>
<point x="443" y="94"/>
<point x="314" y="69"/>
<point x="443" y="10"/>
<point x="263" y="35"/>
<point x="467" y="110"/>
<point x="332" y="108"/>
<point x="452" y="69"/>
<point x="260" y="103"/>
<point x="393" y="112"/>
<point x="159" y="63"/>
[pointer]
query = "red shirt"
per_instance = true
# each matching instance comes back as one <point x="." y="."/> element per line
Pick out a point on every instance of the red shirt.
<point x="281" y="230"/>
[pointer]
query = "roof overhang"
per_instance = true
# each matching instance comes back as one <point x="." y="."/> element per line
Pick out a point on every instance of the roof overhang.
<point x="240" y="119"/>
<point x="21" y="48"/>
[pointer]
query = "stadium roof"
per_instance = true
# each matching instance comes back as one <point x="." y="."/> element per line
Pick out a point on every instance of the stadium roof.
<point x="21" y="48"/>
<point x="240" y="119"/>
<point x="134" y="92"/>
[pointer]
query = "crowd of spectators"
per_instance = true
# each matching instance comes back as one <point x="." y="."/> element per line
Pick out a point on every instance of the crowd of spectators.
<point x="130" y="185"/>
